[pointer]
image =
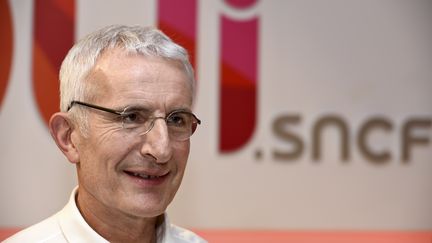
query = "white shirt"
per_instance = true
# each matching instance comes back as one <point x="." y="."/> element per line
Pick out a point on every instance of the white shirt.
<point x="68" y="225"/>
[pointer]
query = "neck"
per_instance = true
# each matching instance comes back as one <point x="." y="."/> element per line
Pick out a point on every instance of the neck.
<point x="115" y="226"/>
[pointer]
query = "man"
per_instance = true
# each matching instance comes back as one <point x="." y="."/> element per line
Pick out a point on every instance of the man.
<point x="125" y="122"/>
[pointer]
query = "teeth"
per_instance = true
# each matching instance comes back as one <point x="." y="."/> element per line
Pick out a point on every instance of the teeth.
<point x="145" y="176"/>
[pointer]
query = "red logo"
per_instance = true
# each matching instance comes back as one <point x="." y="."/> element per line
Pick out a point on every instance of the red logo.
<point x="6" y="46"/>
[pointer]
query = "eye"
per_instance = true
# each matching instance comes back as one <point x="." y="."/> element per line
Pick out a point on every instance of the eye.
<point x="133" y="117"/>
<point x="179" y="119"/>
<point x="130" y="117"/>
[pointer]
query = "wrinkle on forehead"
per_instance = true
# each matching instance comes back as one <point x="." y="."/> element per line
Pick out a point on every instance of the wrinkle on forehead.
<point x="117" y="66"/>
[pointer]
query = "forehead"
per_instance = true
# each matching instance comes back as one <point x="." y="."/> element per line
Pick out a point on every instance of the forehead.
<point x="130" y="77"/>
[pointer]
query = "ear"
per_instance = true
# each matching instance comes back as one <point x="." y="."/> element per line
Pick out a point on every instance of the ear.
<point x="61" y="129"/>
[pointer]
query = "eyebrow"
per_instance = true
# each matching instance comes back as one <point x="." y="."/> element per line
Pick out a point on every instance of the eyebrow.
<point x="179" y="110"/>
<point x="146" y="109"/>
<point x="135" y="107"/>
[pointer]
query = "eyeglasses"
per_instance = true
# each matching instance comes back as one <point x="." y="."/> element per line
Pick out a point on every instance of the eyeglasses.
<point x="181" y="124"/>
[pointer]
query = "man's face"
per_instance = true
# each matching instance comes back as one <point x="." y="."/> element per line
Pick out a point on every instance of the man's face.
<point x="128" y="174"/>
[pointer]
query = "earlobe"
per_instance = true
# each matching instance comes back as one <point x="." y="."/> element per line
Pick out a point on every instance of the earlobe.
<point x="61" y="130"/>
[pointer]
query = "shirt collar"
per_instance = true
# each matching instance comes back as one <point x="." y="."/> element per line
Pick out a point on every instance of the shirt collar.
<point x="76" y="229"/>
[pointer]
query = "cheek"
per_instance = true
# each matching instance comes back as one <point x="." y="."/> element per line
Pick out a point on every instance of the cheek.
<point x="181" y="156"/>
<point x="182" y="149"/>
<point x="103" y="151"/>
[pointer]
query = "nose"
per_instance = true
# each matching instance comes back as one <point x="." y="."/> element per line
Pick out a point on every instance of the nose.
<point x="157" y="142"/>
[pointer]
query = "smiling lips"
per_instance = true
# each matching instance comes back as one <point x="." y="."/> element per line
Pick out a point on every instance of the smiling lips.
<point x="145" y="176"/>
<point x="149" y="177"/>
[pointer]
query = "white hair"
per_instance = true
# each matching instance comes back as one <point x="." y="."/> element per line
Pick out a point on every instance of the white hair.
<point x="83" y="56"/>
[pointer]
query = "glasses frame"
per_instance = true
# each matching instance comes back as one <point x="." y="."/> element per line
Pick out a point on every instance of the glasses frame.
<point x="121" y="113"/>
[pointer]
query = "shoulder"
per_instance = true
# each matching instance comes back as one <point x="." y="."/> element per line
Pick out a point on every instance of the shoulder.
<point x="45" y="231"/>
<point x="181" y="235"/>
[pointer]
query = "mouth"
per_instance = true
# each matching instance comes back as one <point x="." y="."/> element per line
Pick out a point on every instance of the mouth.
<point x="147" y="178"/>
<point x="144" y="176"/>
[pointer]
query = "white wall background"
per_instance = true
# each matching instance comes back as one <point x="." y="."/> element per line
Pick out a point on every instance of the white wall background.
<point x="356" y="59"/>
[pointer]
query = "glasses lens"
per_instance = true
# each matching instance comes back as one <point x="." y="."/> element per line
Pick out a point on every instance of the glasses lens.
<point x="135" y="120"/>
<point x="181" y="125"/>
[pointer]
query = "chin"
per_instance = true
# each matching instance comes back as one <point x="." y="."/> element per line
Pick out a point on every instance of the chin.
<point x="148" y="213"/>
<point x="147" y="210"/>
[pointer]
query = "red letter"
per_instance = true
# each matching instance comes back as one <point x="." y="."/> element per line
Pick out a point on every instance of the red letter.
<point x="239" y="78"/>
<point x="177" y="18"/>
<point x="6" y="46"/>
<point x="54" y="31"/>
